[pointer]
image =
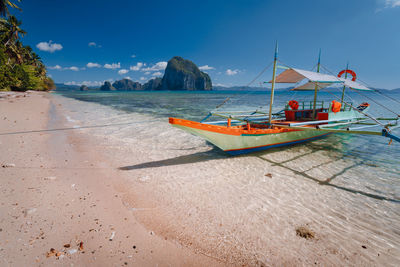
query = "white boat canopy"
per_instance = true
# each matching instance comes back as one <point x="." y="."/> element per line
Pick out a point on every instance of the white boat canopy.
<point x="354" y="85"/>
<point x="314" y="78"/>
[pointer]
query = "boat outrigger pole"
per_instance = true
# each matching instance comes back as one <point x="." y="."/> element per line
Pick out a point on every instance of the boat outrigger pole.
<point x="273" y="84"/>
<point x="316" y="87"/>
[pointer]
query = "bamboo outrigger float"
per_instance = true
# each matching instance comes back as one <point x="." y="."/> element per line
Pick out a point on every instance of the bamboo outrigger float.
<point x="242" y="133"/>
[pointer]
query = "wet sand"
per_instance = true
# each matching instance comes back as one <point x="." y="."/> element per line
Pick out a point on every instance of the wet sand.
<point x="58" y="193"/>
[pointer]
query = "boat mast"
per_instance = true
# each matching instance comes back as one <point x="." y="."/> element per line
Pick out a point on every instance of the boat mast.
<point x="273" y="84"/>
<point x="316" y="86"/>
<point x="344" y="86"/>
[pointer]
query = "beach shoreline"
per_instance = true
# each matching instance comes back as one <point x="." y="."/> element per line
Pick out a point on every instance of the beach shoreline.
<point x="58" y="194"/>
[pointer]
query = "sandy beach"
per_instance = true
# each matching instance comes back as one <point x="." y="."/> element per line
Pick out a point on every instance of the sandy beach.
<point x="60" y="203"/>
<point x="122" y="195"/>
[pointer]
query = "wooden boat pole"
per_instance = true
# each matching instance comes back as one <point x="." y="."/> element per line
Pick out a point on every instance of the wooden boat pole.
<point x="273" y="84"/>
<point x="331" y="130"/>
<point x="316" y="87"/>
<point x="344" y="86"/>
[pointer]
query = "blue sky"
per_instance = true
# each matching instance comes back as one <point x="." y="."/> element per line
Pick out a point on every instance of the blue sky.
<point x="92" y="41"/>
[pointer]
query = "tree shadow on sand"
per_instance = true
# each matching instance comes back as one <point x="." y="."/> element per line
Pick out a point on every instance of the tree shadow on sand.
<point x="216" y="154"/>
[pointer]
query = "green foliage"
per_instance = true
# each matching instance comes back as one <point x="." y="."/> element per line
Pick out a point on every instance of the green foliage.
<point x="4" y="6"/>
<point x="21" y="69"/>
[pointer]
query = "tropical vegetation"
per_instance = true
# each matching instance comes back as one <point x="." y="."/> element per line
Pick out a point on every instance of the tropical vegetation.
<point x="21" y="69"/>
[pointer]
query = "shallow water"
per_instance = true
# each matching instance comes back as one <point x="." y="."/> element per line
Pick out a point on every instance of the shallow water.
<point x="346" y="188"/>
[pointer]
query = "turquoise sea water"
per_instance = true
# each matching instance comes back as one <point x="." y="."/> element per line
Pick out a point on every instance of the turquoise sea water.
<point x="196" y="105"/>
<point x="346" y="187"/>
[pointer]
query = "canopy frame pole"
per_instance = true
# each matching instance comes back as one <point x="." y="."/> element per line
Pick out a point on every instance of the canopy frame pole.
<point x="316" y="87"/>
<point x="273" y="84"/>
<point x="344" y="86"/>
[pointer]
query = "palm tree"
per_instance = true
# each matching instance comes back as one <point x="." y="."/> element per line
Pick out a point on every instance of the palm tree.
<point x="10" y="33"/>
<point x="4" y="7"/>
<point x="12" y="30"/>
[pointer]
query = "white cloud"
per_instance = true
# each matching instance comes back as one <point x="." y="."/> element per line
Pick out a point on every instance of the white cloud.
<point x="206" y="67"/>
<point x="147" y="73"/>
<point x="87" y="83"/>
<point x="157" y="67"/>
<point x="72" y="83"/>
<point x="72" y="68"/>
<point x="93" y="65"/>
<point x="137" y="67"/>
<point x="231" y="72"/>
<point x="56" y="67"/>
<point x="113" y="66"/>
<point x="220" y="84"/>
<point x="143" y="78"/>
<point x="49" y="46"/>
<point x="93" y="44"/>
<point x="133" y="56"/>
<point x="123" y="71"/>
<point x="392" y="3"/>
<point x="157" y="73"/>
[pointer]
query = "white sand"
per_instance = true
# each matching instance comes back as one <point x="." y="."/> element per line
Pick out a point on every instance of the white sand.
<point x="56" y="190"/>
<point x="227" y="208"/>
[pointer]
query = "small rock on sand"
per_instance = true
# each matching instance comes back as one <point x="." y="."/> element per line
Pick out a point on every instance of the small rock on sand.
<point x="112" y="236"/>
<point x="51" y="253"/>
<point x="305" y="232"/>
<point x="29" y="211"/>
<point x="8" y="165"/>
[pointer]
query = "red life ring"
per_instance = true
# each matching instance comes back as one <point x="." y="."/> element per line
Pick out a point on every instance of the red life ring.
<point x="336" y="106"/>
<point x="352" y="73"/>
<point x="293" y="104"/>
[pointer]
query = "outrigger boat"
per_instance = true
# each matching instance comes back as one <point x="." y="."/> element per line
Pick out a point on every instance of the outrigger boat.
<point x="298" y="122"/>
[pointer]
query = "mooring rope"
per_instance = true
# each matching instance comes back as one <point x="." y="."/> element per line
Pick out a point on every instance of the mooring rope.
<point x="76" y="128"/>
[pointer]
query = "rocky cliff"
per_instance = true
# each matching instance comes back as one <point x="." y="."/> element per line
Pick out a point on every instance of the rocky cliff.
<point x="182" y="74"/>
<point x="153" y="84"/>
<point x="107" y="87"/>
<point x="127" y="85"/>
<point x="83" y="88"/>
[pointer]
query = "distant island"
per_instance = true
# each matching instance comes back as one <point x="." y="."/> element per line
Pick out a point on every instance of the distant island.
<point x="180" y="75"/>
